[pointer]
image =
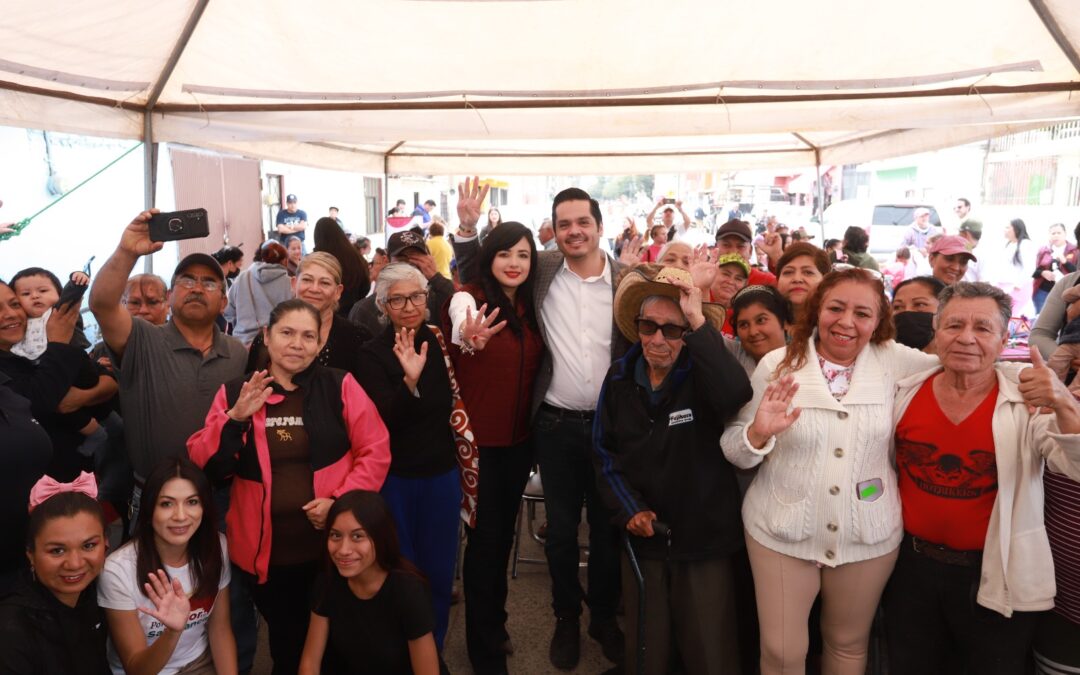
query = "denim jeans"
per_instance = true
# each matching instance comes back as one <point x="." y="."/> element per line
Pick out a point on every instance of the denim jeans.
<point x="564" y="449"/>
<point x="245" y="619"/>
<point x="1039" y="298"/>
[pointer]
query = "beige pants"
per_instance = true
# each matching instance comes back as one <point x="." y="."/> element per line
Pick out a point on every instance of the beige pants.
<point x="785" y="588"/>
<point x="204" y="665"/>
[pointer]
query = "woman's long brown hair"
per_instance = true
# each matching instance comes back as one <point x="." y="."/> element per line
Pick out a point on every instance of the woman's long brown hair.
<point x="797" y="349"/>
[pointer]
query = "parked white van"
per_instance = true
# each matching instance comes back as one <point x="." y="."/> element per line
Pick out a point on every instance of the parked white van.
<point x="885" y="223"/>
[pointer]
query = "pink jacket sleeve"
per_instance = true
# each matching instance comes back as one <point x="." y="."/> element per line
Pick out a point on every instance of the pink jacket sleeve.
<point x="370" y="449"/>
<point x="214" y="447"/>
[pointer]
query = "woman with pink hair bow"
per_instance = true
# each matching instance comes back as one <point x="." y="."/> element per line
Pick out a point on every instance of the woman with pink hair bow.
<point x="51" y="622"/>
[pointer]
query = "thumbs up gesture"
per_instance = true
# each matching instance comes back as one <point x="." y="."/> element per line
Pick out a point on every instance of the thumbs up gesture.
<point x="1041" y="387"/>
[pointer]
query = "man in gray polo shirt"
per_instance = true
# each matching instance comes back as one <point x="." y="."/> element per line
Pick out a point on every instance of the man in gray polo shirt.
<point x="168" y="374"/>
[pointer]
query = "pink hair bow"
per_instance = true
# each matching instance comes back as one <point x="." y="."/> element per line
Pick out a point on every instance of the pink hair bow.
<point x="47" y="487"/>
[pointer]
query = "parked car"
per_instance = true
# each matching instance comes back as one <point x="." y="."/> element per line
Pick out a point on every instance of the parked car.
<point x="885" y="223"/>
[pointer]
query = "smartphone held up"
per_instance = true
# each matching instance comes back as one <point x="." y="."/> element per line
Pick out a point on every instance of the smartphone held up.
<point x="177" y="225"/>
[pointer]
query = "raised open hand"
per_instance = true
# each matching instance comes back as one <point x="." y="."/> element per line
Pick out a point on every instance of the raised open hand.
<point x="703" y="272"/>
<point x="412" y="361"/>
<point x="253" y="395"/>
<point x="471" y="196"/>
<point x="478" y="330"/>
<point x="171" y="603"/>
<point x="772" y="415"/>
<point x="631" y="251"/>
<point x="772" y="246"/>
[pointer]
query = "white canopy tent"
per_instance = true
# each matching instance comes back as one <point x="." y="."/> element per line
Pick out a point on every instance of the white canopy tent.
<point x="542" y="86"/>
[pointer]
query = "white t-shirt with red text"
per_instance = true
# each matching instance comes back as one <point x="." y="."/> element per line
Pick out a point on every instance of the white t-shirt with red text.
<point x="119" y="589"/>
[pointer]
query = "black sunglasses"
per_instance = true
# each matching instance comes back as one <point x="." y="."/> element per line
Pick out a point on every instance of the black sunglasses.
<point x="671" y="331"/>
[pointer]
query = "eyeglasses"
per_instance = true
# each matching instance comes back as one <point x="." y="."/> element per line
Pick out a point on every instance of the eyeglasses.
<point x="189" y="283"/>
<point x="671" y="331"/>
<point x="417" y="299"/>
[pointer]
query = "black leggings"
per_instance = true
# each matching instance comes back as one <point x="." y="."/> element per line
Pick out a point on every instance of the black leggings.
<point x="285" y="602"/>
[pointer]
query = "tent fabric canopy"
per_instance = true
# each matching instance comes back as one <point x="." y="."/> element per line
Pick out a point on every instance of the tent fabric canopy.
<point x="543" y="86"/>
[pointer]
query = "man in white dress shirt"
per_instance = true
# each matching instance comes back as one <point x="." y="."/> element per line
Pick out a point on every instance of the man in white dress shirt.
<point x="574" y="296"/>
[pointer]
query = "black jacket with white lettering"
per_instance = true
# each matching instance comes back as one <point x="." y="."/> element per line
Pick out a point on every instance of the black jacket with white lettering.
<point x="664" y="455"/>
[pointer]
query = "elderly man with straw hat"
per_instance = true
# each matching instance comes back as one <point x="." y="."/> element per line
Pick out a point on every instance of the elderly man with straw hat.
<point x="656" y="442"/>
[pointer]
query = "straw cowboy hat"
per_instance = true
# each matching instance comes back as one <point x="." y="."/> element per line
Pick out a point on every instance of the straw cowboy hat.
<point x="646" y="280"/>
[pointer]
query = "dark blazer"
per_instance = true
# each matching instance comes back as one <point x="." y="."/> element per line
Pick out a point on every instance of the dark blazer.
<point x="550" y="262"/>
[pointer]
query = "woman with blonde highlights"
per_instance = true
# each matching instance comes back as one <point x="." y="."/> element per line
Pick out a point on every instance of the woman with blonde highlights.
<point x="318" y="283"/>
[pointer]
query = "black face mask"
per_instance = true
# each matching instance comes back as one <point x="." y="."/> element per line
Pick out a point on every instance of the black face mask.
<point x="914" y="329"/>
<point x="233" y="274"/>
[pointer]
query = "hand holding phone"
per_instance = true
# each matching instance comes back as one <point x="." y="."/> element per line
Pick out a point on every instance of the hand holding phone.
<point x="177" y="225"/>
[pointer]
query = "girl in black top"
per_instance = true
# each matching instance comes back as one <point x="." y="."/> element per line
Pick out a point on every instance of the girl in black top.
<point x="373" y="614"/>
<point x="50" y="623"/>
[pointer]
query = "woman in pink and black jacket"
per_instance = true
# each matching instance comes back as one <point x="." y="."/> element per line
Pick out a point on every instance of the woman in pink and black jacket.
<point x="293" y="437"/>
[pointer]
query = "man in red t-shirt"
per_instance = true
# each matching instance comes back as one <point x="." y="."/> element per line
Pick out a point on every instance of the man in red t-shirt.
<point x="950" y="607"/>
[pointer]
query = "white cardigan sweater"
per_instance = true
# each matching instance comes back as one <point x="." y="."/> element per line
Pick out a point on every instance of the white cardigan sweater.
<point x="803" y="501"/>
<point x="1017" y="569"/>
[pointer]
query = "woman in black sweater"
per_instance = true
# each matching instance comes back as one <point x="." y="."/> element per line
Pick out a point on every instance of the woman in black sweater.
<point x="404" y="372"/>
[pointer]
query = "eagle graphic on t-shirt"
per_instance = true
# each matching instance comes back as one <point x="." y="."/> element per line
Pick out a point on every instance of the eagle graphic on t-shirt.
<point x="946" y="473"/>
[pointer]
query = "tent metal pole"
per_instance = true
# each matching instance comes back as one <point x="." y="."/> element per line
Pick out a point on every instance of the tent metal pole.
<point x="820" y="192"/>
<point x="386" y="191"/>
<point x="386" y="177"/>
<point x="149" y="177"/>
<point x="149" y="146"/>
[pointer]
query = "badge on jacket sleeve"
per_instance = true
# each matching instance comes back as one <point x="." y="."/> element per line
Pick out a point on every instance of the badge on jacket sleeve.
<point x="680" y="417"/>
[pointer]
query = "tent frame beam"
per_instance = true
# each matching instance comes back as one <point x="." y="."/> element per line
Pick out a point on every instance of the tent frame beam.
<point x="630" y="102"/>
<point x="1052" y="27"/>
<point x="1049" y="87"/>
<point x="559" y="155"/>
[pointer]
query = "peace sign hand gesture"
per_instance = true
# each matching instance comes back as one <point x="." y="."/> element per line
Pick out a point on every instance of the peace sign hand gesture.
<point x="772" y="415"/>
<point x="171" y="603"/>
<point x="412" y="361"/>
<point x="476" y="331"/>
